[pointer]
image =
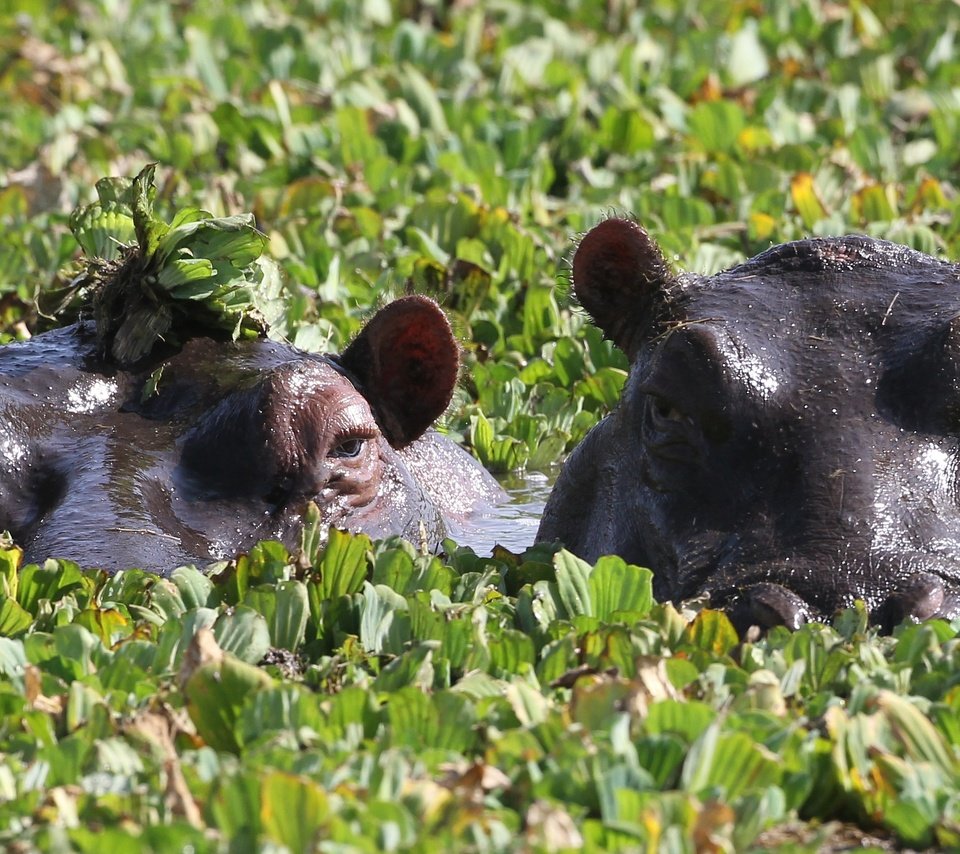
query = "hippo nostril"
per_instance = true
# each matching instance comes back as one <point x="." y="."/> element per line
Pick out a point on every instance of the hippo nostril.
<point x="767" y="605"/>
<point x="921" y="597"/>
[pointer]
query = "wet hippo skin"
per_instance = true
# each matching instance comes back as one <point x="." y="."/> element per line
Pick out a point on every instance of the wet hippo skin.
<point x="788" y="438"/>
<point x="232" y="444"/>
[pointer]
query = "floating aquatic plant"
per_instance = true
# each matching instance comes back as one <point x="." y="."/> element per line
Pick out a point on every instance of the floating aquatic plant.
<point x="146" y="280"/>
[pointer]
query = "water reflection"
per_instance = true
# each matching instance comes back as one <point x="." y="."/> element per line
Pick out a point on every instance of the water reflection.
<point x="514" y="523"/>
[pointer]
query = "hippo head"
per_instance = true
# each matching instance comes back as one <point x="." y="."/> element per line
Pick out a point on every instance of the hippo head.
<point x="198" y="455"/>
<point x="788" y="438"/>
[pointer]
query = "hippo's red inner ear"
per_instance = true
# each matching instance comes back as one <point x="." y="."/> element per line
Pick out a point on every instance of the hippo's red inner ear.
<point x="620" y="277"/>
<point x="406" y="360"/>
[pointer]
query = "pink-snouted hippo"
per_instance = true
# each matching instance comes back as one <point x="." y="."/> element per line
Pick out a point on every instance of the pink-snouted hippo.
<point x="194" y="456"/>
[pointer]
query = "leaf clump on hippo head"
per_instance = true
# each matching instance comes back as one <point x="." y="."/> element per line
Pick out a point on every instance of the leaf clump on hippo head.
<point x="147" y="281"/>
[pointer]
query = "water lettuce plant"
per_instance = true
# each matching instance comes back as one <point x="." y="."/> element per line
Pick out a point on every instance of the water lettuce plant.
<point x="145" y="281"/>
<point x="369" y="697"/>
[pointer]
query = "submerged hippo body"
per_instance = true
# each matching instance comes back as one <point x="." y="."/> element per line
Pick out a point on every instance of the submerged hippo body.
<point x="232" y="444"/>
<point x="788" y="438"/>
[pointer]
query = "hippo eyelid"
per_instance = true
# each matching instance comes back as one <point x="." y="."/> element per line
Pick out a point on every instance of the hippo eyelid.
<point x="666" y="421"/>
<point x="662" y="406"/>
<point x="349" y="448"/>
<point x="349" y="441"/>
<point x="667" y="411"/>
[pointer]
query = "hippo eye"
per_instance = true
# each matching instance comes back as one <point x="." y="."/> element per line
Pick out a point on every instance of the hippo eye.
<point x="665" y="413"/>
<point x="348" y="448"/>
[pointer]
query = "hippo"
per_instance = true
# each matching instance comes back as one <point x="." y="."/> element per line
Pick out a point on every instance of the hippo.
<point x="195" y="454"/>
<point x="787" y="440"/>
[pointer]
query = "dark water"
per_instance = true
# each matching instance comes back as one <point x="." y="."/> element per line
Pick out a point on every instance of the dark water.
<point x="514" y="523"/>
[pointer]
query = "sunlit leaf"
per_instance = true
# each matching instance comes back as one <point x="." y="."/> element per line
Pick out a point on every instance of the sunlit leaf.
<point x="805" y="199"/>
<point x="712" y="630"/>
<point x="344" y="564"/>
<point x="618" y="586"/>
<point x="573" y="583"/>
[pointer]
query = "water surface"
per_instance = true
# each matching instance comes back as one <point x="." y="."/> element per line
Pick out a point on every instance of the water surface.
<point x="512" y="524"/>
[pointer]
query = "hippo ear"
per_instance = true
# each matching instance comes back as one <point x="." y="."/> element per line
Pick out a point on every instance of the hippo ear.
<point x="621" y="278"/>
<point x="406" y="360"/>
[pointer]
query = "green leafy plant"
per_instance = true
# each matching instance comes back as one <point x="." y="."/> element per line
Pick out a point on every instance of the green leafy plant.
<point x="430" y="702"/>
<point x="462" y="702"/>
<point x="148" y="280"/>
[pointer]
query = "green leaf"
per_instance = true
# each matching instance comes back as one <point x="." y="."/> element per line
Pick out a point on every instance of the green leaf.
<point x="14" y="620"/>
<point x="421" y="95"/>
<point x="713" y="632"/>
<point x="196" y="590"/>
<point x="414" y="667"/>
<point x="107" y="624"/>
<point x="343" y="567"/>
<point x="244" y="633"/>
<point x="235" y="807"/>
<point x="77" y="645"/>
<point x="293" y="810"/>
<point x="511" y="651"/>
<point x="915" y="731"/>
<point x="716" y="124"/>
<point x="289" y="624"/>
<point x="188" y="278"/>
<point x="384" y="621"/>
<point x="573" y="583"/>
<point x="686" y="719"/>
<point x="150" y="231"/>
<point x="50" y="582"/>
<point x="216" y="692"/>
<point x="615" y="585"/>
<point x="12" y="658"/>
<point x="732" y="763"/>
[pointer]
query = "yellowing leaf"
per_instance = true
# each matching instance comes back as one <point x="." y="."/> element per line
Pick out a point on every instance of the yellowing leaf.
<point x="761" y="226"/>
<point x="876" y="203"/>
<point x="805" y="199"/>
<point x="712" y="631"/>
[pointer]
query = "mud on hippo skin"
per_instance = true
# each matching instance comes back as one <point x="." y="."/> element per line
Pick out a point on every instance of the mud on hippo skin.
<point x="788" y="438"/>
<point x="232" y="444"/>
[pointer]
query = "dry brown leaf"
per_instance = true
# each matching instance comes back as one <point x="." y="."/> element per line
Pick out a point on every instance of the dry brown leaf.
<point x="551" y="828"/>
<point x="203" y="649"/>
<point x="158" y="730"/>
<point x="39" y="701"/>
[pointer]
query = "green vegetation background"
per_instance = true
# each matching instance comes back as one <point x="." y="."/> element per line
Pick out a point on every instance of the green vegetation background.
<point x="365" y="697"/>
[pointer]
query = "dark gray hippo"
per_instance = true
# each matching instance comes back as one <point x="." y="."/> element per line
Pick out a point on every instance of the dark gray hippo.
<point x="788" y="438"/>
<point x="98" y="466"/>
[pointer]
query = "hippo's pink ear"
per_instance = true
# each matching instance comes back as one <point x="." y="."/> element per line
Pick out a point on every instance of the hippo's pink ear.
<point x="621" y="277"/>
<point x="406" y="360"/>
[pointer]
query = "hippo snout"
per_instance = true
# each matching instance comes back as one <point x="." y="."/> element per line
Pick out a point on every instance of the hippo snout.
<point x="791" y="593"/>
